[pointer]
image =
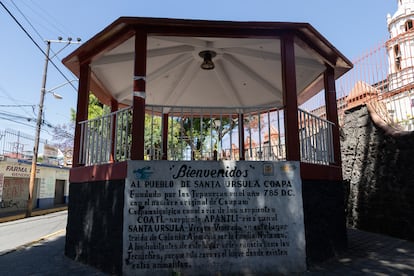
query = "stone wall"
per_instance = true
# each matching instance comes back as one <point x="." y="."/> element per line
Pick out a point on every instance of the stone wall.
<point x="378" y="168"/>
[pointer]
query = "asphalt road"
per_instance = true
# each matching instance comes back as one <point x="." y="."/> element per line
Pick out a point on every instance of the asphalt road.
<point x="17" y="233"/>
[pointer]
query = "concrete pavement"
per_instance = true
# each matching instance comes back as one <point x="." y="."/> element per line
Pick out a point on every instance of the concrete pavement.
<point x="45" y="257"/>
<point x="368" y="254"/>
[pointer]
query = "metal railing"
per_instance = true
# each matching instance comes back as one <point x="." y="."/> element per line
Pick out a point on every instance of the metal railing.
<point x="196" y="133"/>
<point x="316" y="143"/>
<point x="106" y="139"/>
<point x="199" y="133"/>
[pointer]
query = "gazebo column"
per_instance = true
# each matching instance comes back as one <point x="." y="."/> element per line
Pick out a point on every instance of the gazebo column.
<point x="114" y="108"/>
<point x="165" y="136"/>
<point x="332" y="112"/>
<point x="138" y="112"/>
<point x="81" y="110"/>
<point x="290" y="98"/>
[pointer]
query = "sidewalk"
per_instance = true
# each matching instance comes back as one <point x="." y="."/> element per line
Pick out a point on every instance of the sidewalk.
<point x="15" y="215"/>
<point x="370" y="254"/>
<point x="46" y="257"/>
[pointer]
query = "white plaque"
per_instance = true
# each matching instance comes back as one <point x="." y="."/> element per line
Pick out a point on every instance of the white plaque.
<point x="205" y="218"/>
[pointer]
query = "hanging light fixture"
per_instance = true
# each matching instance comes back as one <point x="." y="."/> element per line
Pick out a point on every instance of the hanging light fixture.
<point x="207" y="56"/>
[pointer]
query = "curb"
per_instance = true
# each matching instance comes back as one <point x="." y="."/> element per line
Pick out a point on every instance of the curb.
<point x="40" y="212"/>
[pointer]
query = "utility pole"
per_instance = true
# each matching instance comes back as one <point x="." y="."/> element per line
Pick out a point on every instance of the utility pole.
<point x="40" y="121"/>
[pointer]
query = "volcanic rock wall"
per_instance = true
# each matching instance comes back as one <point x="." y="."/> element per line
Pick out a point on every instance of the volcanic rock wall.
<point x="378" y="168"/>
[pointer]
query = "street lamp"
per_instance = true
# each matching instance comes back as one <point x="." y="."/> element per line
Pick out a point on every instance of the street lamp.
<point x="43" y="92"/>
<point x="58" y="86"/>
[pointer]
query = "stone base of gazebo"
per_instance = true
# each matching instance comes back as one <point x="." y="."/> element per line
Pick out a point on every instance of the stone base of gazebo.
<point x="103" y="219"/>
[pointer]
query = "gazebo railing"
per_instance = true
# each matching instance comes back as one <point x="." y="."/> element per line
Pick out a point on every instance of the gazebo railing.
<point x="196" y="133"/>
<point x="316" y="143"/>
<point x="199" y="133"/>
<point x="106" y="139"/>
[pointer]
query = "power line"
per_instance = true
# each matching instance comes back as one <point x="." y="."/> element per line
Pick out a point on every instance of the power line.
<point x="55" y="54"/>
<point x="17" y="116"/>
<point x="15" y="121"/>
<point x="27" y="20"/>
<point x="13" y="100"/>
<point x="43" y="122"/>
<point x="17" y="105"/>
<point x="48" y="18"/>
<point x="37" y="45"/>
<point x="20" y="117"/>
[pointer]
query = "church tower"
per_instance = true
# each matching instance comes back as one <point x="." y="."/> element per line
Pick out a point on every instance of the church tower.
<point x="400" y="46"/>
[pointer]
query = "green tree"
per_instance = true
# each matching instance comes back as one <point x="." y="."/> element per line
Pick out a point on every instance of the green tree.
<point x="153" y="137"/>
<point x="95" y="109"/>
<point x="196" y="132"/>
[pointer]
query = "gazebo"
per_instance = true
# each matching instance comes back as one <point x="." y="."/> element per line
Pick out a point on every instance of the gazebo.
<point x="202" y="96"/>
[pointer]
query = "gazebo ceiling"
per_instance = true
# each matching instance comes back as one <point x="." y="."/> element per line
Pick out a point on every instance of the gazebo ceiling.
<point x="247" y="69"/>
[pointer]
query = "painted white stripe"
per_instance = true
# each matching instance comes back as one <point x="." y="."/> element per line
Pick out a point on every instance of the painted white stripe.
<point x="140" y="94"/>
<point x="140" y="78"/>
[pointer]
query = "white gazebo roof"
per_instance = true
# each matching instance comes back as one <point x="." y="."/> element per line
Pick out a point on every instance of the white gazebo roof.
<point x="247" y="73"/>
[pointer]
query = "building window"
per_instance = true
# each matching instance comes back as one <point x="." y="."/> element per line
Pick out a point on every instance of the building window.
<point x="408" y="25"/>
<point x="397" y="50"/>
<point x="397" y="54"/>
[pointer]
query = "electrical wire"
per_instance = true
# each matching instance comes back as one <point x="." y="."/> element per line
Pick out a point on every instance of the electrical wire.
<point x="17" y="116"/>
<point x="43" y="14"/>
<point x="17" y="105"/>
<point x="55" y="54"/>
<point x="14" y="100"/>
<point x="26" y="124"/>
<point x="12" y="117"/>
<point x="17" y="122"/>
<point x="27" y="20"/>
<point x="37" y="45"/>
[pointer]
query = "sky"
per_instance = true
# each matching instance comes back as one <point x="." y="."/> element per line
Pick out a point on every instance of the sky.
<point x="352" y="26"/>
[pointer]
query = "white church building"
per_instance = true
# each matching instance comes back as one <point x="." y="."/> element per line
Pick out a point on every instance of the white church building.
<point x="400" y="52"/>
<point x="384" y="76"/>
<point x="400" y="46"/>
